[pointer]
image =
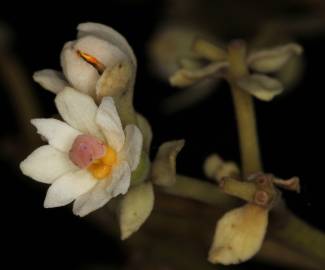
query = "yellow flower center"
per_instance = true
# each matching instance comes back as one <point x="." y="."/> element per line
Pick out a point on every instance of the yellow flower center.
<point x="102" y="168"/>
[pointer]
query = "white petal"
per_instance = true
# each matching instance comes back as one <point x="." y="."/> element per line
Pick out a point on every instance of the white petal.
<point x="109" y="34"/>
<point x="82" y="75"/>
<point x="103" y="51"/>
<point x="78" y="110"/>
<point x="58" y="134"/>
<point x="120" y="179"/>
<point x="109" y="121"/>
<point x="46" y="164"/>
<point x="96" y="198"/>
<point x="132" y="147"/>
<point x="51" y="80"/>
<point x="68" y="187"/>
<point x="105" y="190"/>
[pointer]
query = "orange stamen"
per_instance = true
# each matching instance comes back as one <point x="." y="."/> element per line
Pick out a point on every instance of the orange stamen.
<point x="102" y="168"/>
<point x="93" y="61"/>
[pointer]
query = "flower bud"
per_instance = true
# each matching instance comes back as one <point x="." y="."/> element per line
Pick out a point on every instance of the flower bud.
<point x="239" y="235"/>
<point x="99" y="63"/>
<point x="80" y="62"/>
<point x="216" y="168"/>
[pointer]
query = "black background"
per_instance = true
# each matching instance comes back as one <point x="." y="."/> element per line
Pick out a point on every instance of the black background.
<point x="290" y="128"/>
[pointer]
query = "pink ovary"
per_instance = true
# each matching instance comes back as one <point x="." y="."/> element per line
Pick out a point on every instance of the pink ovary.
<point x="85" y="149"/>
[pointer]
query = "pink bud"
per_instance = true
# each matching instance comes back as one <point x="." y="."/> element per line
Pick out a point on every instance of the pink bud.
<point x="85" y="149"/>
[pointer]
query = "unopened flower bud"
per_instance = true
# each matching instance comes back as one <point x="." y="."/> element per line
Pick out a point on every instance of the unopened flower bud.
<point x="239" y="235"/>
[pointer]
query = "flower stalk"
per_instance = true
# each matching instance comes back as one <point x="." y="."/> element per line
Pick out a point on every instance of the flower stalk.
<point x="244" y="108"/>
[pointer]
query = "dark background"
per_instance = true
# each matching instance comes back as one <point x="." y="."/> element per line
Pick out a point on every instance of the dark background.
<point x="291" y="132"/>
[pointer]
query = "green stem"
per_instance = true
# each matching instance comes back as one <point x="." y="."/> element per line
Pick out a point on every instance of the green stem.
<point x="199" y="190"/>
<point x="286" y="230"/>
<point x="244" y="107"/>
<point x="300" y="236"/>
<point x="248" y="139"/>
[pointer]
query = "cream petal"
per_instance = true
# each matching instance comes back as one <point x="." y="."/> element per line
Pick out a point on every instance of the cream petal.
<point x="82" y="75"/>
<point x="68" y="187"/>
<point x="261" y="86"/>
<point x="46" y="164"/>
<point x="146" y="131"/>
<point x="109" y="121"/>
<point x="105" y="190"/>
<point x="135" y="208"/>
<point x="271" y="60"/>
<point x="186" y="77"/>
<point x="163" y="168"/>
<point x="132" y="147"/>
<point x="103" y="51"/>
<point x="78" y="110"/>
<point x="109" y="34"/>
<point x="58" y="134"/>
<point x="51" y="80"/>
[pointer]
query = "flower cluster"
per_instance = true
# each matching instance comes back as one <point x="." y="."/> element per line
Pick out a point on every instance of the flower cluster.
<point x="90" y="155"/>
<point x="261" y="63"/>
<point x="99" y="148"/>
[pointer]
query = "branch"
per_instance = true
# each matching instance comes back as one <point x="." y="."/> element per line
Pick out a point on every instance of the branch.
<point x="286" y="231"/>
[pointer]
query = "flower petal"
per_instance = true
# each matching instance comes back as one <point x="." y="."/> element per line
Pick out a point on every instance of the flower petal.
<point x="261" y="86"/>
<point x="163" y="169"/>
<point x="78" y="110"/>
<point x="68" y="187"/>
<point x="103" y="51"/>
<point x="120" y="179"/>
<point x="58" y="134"/>
<point x="109" y="121"/>
<point x="272" y="60"/>
<point x="51" y="80"/>
<point x="81" y="75"/>
<point x="132" y="147"/>
<point x="96" y="198"/>
<point x="135" y="208"/>
<point x="186" y="77"/>
<point x="146" y="131"/>
<point x="109" y="34"/>
<point x="46" y="164"/>
<point x="105" y="190"/>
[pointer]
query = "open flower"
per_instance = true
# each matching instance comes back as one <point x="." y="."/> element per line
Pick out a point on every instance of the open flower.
<point x="261" y="86"/>
<point x="89" y="157"/>
<point x="88" y="62"/>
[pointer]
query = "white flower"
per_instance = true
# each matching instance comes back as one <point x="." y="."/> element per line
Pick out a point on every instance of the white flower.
<point x="89" y="157"/>
<point x="87" y="61"/>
